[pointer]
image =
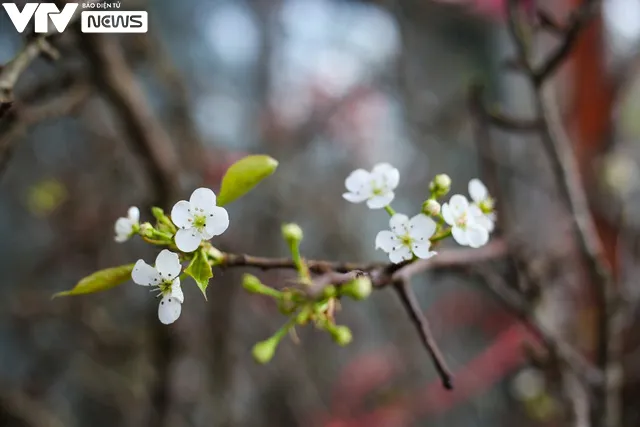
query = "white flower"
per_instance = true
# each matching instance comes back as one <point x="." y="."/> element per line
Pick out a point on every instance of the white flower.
<point x="376" y="187"/>
<point x="198" y="219"/>
<point x="465" y="229"/>
<point x="125" y="227"/>
<point x="407" y="237"/>
<point x="164" y="276"/>
<point x="482" y="206"/>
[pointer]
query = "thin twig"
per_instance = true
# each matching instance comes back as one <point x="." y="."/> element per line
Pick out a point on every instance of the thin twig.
<point x="382" y="274"/>
<point x="578" y="20"/>
<point x="412" y="307"/>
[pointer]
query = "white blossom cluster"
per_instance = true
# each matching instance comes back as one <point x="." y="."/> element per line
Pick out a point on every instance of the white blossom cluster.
<point x="197" y="220"/>
<point x="471" y="222"/>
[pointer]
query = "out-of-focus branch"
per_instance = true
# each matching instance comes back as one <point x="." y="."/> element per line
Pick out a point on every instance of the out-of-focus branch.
<point x="116" y="81"/>
<point x="578" y="20"/>
<point x="605" y="407"/>
<point x="12" y="70"/>
<point x="19" y="119"/>
<point x="29" y="412"/>
<point x="523" y="309"/>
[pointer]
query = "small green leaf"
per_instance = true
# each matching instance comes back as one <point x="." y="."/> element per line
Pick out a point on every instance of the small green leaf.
<point x="243" y="175"/>
<point x="200" y="270"/>
<point x="100" y="281"/>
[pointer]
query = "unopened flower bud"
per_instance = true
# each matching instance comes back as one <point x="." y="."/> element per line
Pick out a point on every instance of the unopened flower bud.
<point x="252" y="284"/>
<point x="146" y="229"/>
<point x="157" y="212"/>
<point x="263" y="351"/>
<point x="292" y="233"/>
<point x="440" y="185"/>
<point x="358" y="289"/>
<point x="341" y="335"/>
<point x="431" y="207"/>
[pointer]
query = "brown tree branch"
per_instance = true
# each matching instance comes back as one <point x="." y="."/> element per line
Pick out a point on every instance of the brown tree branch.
<point x="412" y="307"/>
<point x="12" y="70"/>
<point x="578" y="20"/>
<point x="382" y="274"/>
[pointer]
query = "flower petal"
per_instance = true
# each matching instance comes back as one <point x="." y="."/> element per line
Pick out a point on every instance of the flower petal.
<point x="133" y="214"/>
<point x="355" y="197"/>
<point x="485" y="222"/>
<point x="477" y="190"/>
<point x="460" y="236"/>
<point x="188" y="240"/>
<point x="477" y="236"/>
<point x="217" y="222"/>
<point x="381" y="200"/>
<point x="181" y="214"/>
<point x="399" y="224"/>
<point x="386" y="240"/>
<point x="447" y="214"/>
<point x="421" y="249"/>
<point x="458" y="204"/>
<point x="176" y="290"/>
<point x="123" y="228"/>
<point x="356" y="180"/>
<point x="401" y="253"/>
<point x="145" y="275"/>
<point x="421" y="227"/>
<point x="168" y="264"/>
<point x="169" y="310"/>
<point x="203" y="199"/>
<point x="386" y="175"/>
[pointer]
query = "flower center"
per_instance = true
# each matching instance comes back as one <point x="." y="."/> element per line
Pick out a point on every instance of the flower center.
<point x="199" y="221"/>
<point x="165" y="287"/>
<point x="486" y="206"/>
<point x="406" y="240"/>
<point x="461" y="221"/>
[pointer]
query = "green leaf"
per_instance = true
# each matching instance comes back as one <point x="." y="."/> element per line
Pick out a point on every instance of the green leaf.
<point x="243" y="175"/>
<point x="100" y="281"/>
<point x="200" y="270"/>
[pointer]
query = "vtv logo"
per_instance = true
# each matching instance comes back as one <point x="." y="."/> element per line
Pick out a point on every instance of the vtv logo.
<point x="43" y="12"/>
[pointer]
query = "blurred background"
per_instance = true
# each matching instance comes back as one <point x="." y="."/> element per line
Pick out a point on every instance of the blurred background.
<point x="325" y="87"/>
